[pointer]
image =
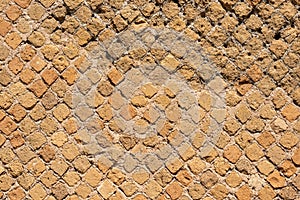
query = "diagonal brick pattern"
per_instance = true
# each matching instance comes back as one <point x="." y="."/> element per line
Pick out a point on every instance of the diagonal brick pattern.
<point x="149" y="99"/>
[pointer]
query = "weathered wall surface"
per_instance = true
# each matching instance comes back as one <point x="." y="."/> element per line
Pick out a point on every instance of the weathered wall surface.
<point x="149" y="99"/>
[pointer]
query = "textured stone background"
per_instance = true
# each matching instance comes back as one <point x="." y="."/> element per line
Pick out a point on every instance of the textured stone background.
<point x="52" y="145"/>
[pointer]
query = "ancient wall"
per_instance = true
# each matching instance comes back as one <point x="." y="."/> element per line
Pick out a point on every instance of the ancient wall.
<point x="149" y="99"/>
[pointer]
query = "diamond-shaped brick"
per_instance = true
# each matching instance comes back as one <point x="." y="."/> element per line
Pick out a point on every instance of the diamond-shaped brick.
<point x="5" y="27"/>
<point x="7" y="125"/>
<point x="13" y="40"/>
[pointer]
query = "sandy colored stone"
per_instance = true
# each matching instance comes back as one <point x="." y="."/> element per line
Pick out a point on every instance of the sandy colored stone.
<point x="38" y="87"/>
<point x="232" y="153"/>
<point x="18" y="112"/>
<point x="119" y="23"/>
<point x="244" y="139"/>
<point x="5" y="182"/>
<point x="255" y="99"/>
<point x="48" y="125"/>
<point x="295" y="96"/>
<point x="83" y="36"/>
<point x="37" y="39"/>
<point x="83" y="190"/>
<point x="47" y="3"/>
<point x="105" y="112"/>
<point x="36" y="140"/>
<point x="174" y="190"/>
<point x="13" y="40"/>
<point x="38" y="64"/>
<point x="129" y="188"/>
<point x="296" y="181"/>
<point x="37" y="192"/>
<point x="27" y="75"/>
<point x="296" y="156"/>
<point x="196" y="191"/>
<point x="48" y="178"/>
<point x="196" y="165"/>
<point x="59" y="166"/>
<point x="28" y="126"/>
<point x="254" y="152"/>
<point x="2" y="140"/>
<point x="83" y="13"/>
<point x="15" y="168"/>
<point x="61" y="112"/>
<point x="288" y="140"/>
<point x="266" y="193"/>
<point x="71" y="178"/>
<point x="233" y="179"/>
<point x="116" y="176"/>
<point x="267" y="112"/>
<point x="208" y="179"/>
<point x="71" y="50"/>
<point x="276" y="180"/>
<point x="95" y="26"/>
<point x="7" y="126"/>
<point x="59" y="87"/>
<point x="243" y="113"/>
<point x="231" y="126"/>
<point x="139" y="101"/>
<point x="104" y="164"/>
<point x="5" y="27"/>
<point x="60" y="191"/>
<point x="27" y="53"/>
<point x="23" y="3"/>
<point x="5" y="77"/>
<point x="15" y="65"/>
<point x="287" y="168"/>
<point x="221" y="166"/>
<point x="265" y="167"/>
<point x="115" y="76"/>
<point x="254" y="22"/>
<point x="26" y="180"/>
<point x="16" y="194"/>
<point x="255" y="124"/>
<point x="174" y="164"/>
<point x="36" y="167"/>
<point x="93" y="177"/>
<point x="4" y="52"/>
<point x="288" y="193"/>
<point x="266" y="139"/>
<point x="152" y="189"/>
<point x="25" y="154"/>
<point x="241" y="34"/>
<point x="49" y="51"/>
<point x="163" y="177"/>
<point x="184" y="177"/>
<point x="49" y="76"/>
<point x="70" y="151"/>
<point x="278" y="70"/>
<point x="6" y="100"/>
<point x="278" y="47"/>
<point x="276" y="154"/>
<point x="244" y="193"/>
<point x="106" y="189"/>
<point x="105" y="88"/>
<point x="255" y="73"/>
<point x="170" y="9"/>
<point x="73" y="4"/>
<point x="81" y="163"/>
<point x="17" y="139"/>
<point x="219" y="191"/>
<point x="49" y="100"/>
<point x="170" y="62"/>
<point x="290" y="112"/>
